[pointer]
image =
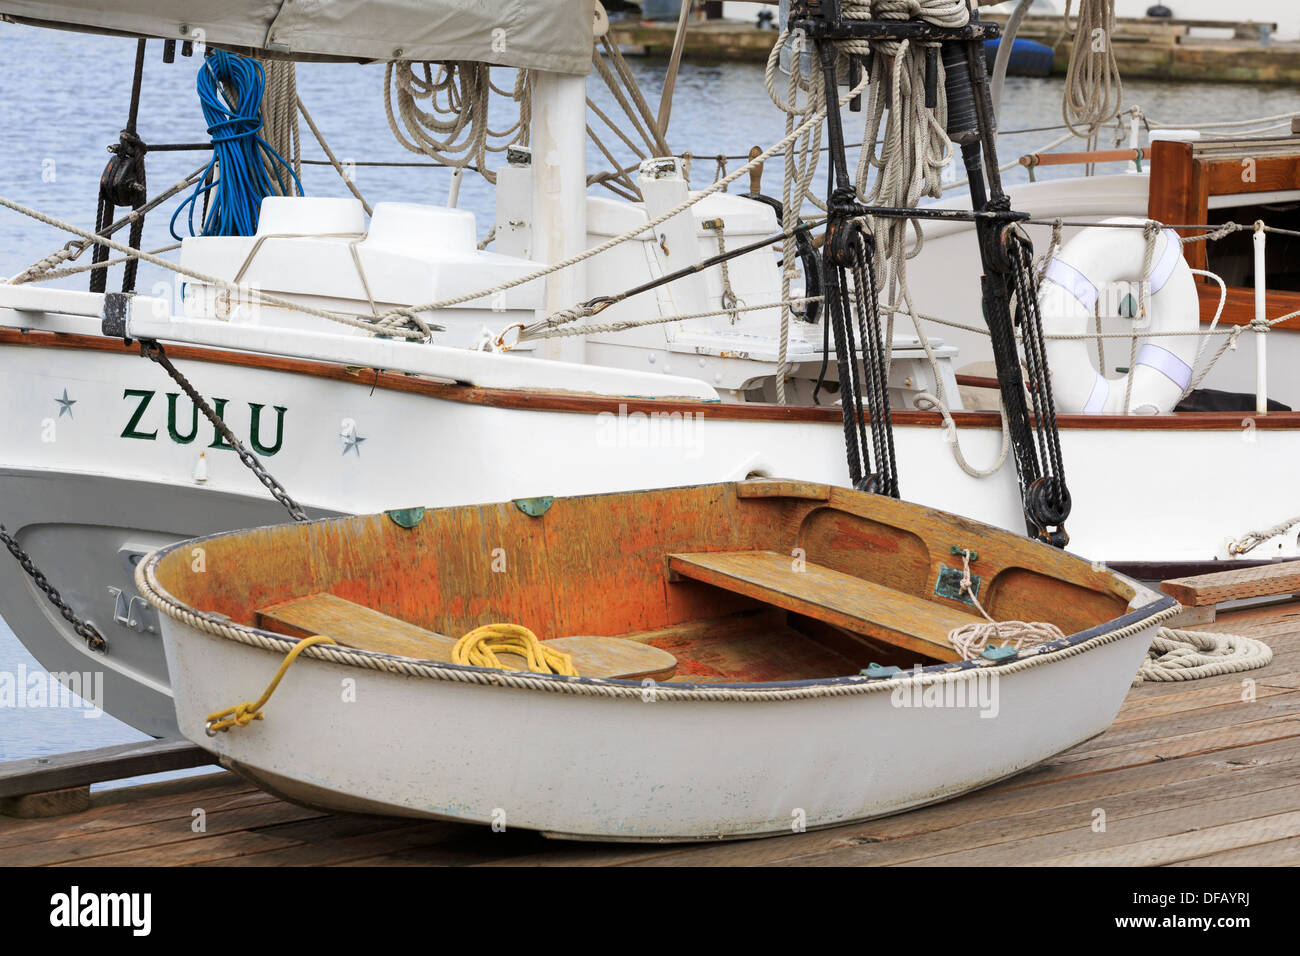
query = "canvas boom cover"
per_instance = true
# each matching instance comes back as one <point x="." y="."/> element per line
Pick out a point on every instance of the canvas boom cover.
<point x="551" y="35"/>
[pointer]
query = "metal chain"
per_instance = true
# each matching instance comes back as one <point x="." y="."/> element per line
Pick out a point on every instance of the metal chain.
<point x="154" y="350"/>
<point x="85" y="630"/>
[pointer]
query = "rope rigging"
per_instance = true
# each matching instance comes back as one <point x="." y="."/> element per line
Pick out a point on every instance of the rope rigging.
<point x="924" y="65"/>
<point x="1093" y="89"/>
<point x="246" y="168"/>
<point x="849" y="282"/>
<point x="123" y="184"/>
<point x="442" y="111"/>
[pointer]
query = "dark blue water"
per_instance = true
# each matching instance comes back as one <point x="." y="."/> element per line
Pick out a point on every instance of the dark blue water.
<point x="63" y="98"/>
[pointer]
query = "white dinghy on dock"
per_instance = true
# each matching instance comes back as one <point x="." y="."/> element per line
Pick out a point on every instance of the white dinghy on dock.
<point x="737" y="690"/>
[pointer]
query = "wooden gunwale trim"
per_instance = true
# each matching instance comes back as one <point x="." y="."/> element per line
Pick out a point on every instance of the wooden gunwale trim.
<point x="595" y="404"/>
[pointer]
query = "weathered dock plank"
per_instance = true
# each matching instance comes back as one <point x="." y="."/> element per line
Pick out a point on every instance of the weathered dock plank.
<point x="1274" y="853"/>
<point x="1201" y="773"/>
<point x="1263" y="581"/>
<point x="41" y="774"/>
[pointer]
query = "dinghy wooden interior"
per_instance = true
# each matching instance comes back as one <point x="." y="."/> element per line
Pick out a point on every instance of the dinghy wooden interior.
<point x="756" y="604"/>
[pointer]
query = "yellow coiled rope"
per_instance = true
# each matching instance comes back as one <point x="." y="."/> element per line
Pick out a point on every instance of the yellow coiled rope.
<point x="241" y="715"/>
<point x="481" y="646"/>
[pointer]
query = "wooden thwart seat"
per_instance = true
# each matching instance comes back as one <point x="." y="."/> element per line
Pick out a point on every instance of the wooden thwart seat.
<point x="839" y="599"/>
<point x="354" y="625"/>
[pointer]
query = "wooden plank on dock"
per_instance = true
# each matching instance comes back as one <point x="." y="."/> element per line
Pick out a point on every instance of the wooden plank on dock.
<point x="52" y="803"/>
<point x="1264" y="580"/>
<point x="59" y="772"/>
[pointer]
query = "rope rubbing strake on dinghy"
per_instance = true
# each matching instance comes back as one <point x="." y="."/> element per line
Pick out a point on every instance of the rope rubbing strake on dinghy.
<point x="480" y="647"/>
<point x="241" y="715"/>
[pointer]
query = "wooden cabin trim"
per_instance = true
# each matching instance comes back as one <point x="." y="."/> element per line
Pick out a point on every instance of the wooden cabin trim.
<point x="1239" y="306"/>
<point x="586" y="404"/>
<point x="1181" y="186"/>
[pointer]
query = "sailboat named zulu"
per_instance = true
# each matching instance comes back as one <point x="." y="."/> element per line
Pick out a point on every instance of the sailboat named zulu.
<point x="334" y="356"/>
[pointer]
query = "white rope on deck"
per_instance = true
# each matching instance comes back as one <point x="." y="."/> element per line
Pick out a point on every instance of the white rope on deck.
<point x="1178" y="655"/>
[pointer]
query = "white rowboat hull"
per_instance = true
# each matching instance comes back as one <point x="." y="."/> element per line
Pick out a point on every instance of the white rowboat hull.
<point x="640" y="767"/>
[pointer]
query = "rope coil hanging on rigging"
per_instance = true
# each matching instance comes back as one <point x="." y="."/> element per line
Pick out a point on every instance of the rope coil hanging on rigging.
<point x="246" y="168"/>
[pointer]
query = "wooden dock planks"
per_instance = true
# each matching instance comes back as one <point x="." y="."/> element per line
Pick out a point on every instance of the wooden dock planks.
<point x="1200" y="773"/>
<point x="1266" y="580"/>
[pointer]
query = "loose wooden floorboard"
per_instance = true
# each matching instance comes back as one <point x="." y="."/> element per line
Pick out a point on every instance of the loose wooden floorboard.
<point x="1190" y="774"/>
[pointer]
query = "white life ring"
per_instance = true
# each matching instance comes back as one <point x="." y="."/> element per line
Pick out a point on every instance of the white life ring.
<point x="1102" y="259"/>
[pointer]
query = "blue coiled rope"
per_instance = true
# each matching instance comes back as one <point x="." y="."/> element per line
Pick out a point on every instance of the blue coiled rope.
<point x="239" y="154"/>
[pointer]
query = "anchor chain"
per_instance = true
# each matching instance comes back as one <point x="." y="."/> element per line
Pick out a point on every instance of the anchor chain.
<point x="85" y="630"/>
<point x="154" y="350"/>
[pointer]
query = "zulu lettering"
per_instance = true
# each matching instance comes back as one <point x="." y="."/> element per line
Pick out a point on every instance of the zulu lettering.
<point x="219" y="406"/>
<point x="145" y="397"/>
<point x="255" y="429"/>
<point x="183" y="429"/>
<point x="172" y="430"/>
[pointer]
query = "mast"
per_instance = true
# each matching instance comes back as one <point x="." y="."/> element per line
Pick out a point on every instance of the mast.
<point x="559" y="214"/>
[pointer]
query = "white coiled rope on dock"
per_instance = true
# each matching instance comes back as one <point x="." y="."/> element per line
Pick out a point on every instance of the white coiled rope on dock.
<point x="1177" y="655"/>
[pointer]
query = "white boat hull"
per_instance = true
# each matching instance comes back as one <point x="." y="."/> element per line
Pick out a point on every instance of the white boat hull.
<point x="641" y="766"/>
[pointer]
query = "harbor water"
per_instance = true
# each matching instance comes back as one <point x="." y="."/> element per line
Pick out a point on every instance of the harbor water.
<point x="64" y="97"/>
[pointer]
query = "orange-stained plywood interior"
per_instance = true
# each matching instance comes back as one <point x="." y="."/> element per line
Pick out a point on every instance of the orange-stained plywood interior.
<point x="860" y="585"/>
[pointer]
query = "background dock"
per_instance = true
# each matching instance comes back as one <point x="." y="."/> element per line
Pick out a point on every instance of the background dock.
<point x="1155" y="49"/>
<point x="1189" y="774"/>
